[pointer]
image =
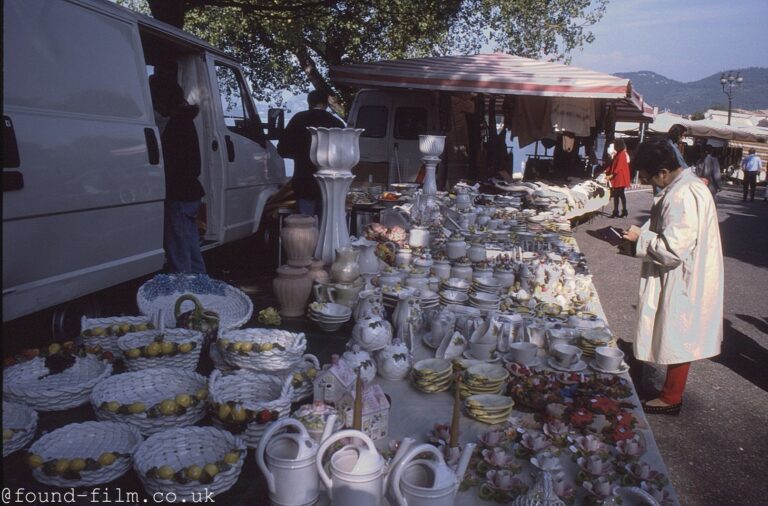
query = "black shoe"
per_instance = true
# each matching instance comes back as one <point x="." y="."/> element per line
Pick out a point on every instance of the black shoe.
<point x="672" y="409"/>
<point x="624" y="213"/>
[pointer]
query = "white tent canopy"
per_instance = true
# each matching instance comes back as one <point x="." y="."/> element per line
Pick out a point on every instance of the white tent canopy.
<point x="701" y="128"/>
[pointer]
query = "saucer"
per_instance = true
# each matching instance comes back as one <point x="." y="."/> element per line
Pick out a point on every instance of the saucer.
<point x="621" y="370"/>
<point x="426" y="339"/>
<point x="494" y="357"/>
<point x="578" y="366"/>
<point x="537" y="362"/>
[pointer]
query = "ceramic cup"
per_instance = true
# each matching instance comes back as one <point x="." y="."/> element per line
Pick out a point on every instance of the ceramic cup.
<point x="608" y="358"/>
<point x="523" y="353"/>
<point x="566" y="355"/>
<point x="482" y="351"/>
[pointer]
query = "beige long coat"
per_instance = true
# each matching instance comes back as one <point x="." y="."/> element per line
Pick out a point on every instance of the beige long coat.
<point x="680" y="314"/>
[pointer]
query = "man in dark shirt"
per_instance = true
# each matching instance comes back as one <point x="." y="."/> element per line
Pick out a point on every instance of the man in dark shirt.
<point x="295" y="144"/>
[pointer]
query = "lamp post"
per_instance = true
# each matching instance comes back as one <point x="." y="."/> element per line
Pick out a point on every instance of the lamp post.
<point x="730" y="81"/>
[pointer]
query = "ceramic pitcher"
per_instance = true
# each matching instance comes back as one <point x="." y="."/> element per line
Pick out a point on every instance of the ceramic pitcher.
<point x="356" y="475"/>
<point x="368" y="261"/>
<point x="289" y="467"/>
<point x="345" y="269"/>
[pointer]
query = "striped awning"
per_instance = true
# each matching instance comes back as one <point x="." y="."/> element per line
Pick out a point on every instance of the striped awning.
<point x="496" y="73"/>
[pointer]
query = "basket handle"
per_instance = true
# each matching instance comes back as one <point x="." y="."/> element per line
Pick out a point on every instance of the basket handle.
<point x="287" y="390"/>
<point x="308" y="357"/>
<point x="301" y="341"/>
<point x="188" y="296"/>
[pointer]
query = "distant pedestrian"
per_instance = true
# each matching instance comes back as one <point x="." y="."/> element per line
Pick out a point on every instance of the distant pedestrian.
<point x="680" y="314"/>
<point x="708" y="171"/>
<point x="752" y="165"/>
<point x="618" y="177"/>
<point x="295" y="143"/>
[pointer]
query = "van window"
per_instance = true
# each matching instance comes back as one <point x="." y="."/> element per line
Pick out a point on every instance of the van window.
<point x="239" y="115"/>
<point x="410" y="122"/>
<point x="373" y="118"/>
<point x="50" y="62"/>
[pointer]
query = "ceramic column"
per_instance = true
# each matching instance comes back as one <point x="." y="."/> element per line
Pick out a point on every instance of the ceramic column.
<point x="431" y="146"/>
<point x="334" y="151"/>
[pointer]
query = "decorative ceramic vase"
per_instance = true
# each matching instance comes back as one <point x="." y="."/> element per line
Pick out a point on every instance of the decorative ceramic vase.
<point x="292" y="287"/>
<point x="462" y="271"/>
<point x="455" y="248"/>
<point x="299" y="236"/>
<point x="505" y="277"/>
<point x="317" y="272"/>
<point x="431" y="146"/>
<point x="418" y="237"/>
<point x="345" y="269"/>
<point x="477" y="252"/>
<point x="334" y="150"/>
<point x="403" y="257"/>
<point x="442" y="269"/>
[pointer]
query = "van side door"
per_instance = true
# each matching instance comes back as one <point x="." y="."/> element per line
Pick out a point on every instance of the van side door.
<point x="252" y="168"/>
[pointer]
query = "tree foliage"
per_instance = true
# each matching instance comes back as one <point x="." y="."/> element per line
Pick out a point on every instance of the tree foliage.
<point x="290" y="44"/>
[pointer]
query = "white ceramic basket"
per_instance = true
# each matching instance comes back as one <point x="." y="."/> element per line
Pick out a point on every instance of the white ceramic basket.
<point x="87" y="441"/>
<point x="274" y="360"/>
<point x="184" y="447"/>
<point x="160" y="293"/>
<point x="27" y="383"/>
<point x="108" y="342"/>
<point x="150" y="387"/>
<point x="181" y="360"/>
<point x="252" y="391"/>
<point x="22" y="420"/>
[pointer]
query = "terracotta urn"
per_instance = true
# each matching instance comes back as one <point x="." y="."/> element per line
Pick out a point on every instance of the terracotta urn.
<point x="299" y="236"/>
<point x="292" y="287"/>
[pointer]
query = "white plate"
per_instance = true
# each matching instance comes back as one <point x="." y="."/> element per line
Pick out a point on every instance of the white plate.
<point x="495" y="358"/>
<point x="538" y="362"/>
<point x="621" y="370"/>
<point x="426" y="340"/>
<point x="578" y="366"/>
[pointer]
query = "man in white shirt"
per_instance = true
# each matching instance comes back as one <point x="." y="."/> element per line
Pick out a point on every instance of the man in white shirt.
<point x="752" y="165"/>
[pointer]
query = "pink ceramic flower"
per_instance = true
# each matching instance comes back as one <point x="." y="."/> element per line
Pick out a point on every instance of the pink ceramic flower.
<point x="632" y="448"/>
<point x="589" y="445"/>
<point x="502" y="480"/>
<point x="595" y="465"/>
<point x="562" y="488"/>
<point x="556" y="429"/>
<point x="599" y="487"/>
<point x="499" y="457"/>
<point x="493" y="438"/>
<point x="534" y="441"/>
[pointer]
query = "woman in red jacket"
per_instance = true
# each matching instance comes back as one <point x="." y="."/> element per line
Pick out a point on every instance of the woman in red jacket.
<point x="618" y="175"/>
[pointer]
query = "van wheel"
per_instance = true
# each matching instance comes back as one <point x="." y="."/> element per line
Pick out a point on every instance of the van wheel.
<point x="65" y="321"/>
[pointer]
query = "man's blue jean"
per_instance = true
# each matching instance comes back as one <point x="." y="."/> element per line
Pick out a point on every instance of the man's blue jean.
<point x="181" y="237"/>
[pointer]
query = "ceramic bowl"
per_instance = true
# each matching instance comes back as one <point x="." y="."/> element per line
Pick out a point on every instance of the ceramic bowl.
<point x="452" y="297"/>
<point x="484" y="298"/>
<point x="484" y="374"/>
<point x="330" y="309"/>
<point x="432" y="367"/>
<point x="456" y="284"/>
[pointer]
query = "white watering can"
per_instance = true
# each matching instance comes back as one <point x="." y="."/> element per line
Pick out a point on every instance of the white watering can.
<point x="291" y="475"/>
<point x="427" y="482"/>
<point x="357" y="473"/>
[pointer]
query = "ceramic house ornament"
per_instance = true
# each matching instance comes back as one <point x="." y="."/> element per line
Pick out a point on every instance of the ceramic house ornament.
<point x="375" y="422"/>
<point x="334" y="381"/>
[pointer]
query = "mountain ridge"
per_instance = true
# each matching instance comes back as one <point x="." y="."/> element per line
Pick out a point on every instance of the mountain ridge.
<point x="698" y="96"/>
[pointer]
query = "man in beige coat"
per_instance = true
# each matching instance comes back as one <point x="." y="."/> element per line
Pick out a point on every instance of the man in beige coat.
<point x="680" y="315"/>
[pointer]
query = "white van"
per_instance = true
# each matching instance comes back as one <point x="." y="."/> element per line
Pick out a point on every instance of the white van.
<point x="83" y="179"/>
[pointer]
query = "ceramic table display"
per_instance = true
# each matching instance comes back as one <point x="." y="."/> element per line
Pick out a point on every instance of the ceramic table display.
<point x="357" y="473"/>
<point x="292" y="287"/>
<point x="359" y="358"/>
<point x="421" y="482"/>
<point x="287" y="461"/>
<point x="482" y="343"/>
<point x="394" y="361"/>
<point x="372" y="332"/>
<point x="299" y="237"/>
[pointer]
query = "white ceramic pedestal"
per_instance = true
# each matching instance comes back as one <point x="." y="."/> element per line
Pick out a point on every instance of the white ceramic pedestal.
<point x="333" y="229"/>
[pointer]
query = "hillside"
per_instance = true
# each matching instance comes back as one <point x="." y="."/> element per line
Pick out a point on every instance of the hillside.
<point x="698" y="96"/>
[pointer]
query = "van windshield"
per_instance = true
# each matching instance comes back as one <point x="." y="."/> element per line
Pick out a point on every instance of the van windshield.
<point x="239" y="116"/>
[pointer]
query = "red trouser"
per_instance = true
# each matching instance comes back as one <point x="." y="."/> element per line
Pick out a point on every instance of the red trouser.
<point x="677" y="374"/>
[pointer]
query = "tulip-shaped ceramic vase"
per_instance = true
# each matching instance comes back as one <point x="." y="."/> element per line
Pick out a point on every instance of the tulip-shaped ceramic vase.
<point x="334" y="151"/>
<point x="431" y="147"/>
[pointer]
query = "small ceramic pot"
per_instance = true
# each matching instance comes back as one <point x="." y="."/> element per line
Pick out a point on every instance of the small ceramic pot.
<point x="292" y="288"/>
<point x="455" y="248"/>
<point x="317" y="272"/>
<point x="442" y="269"/>
<point x="462" y="271"/>
<point x="403" y="257"/>
<point x="299" y="235"/>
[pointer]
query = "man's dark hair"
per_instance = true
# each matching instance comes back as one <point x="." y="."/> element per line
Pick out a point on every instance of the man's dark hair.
<point x="618" y="145"/>
<point x="752" y="151"/>
<point x="653" y="155"/>
<point x="708" y="149"/>
<point x="317" y="97"/>
<point x="676" y="131"/>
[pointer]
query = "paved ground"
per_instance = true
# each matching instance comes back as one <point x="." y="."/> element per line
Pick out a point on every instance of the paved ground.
<point x="716" y="449"/>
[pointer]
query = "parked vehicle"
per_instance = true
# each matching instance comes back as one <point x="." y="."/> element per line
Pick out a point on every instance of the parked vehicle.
<point x="83" y="178"/>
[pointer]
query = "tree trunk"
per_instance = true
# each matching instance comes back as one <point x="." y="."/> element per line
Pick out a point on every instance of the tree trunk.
<point x="169" y="11"/>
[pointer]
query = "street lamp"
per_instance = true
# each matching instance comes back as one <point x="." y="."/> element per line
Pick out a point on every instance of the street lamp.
<point x="730" y="81"/>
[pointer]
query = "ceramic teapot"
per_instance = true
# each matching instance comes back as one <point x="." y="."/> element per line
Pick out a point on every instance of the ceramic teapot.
<point x="394" y="361"/>
<point x="372" y="332"/>
<point x="427" y="482"/>
<point x="357" y="475"/>
<point x="289" y="467"/>
<point x="356" y="357"/>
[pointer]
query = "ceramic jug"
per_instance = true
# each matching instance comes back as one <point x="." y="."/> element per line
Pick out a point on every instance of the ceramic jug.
<point x="347" y="294"/>
<point x="427" y="482"/>
<point x="356" y="475"/>
<point x="368" y="261"/>
<point x="369" y="301"/>
<point x="345" y="269"/>
<point x="289" y="467"/>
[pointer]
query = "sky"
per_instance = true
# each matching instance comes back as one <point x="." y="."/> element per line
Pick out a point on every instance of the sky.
<point x="684" y="40"/>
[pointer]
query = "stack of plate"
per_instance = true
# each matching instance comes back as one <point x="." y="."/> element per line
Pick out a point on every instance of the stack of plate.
<point x="429" y="299"/>
<point x="487" y="285"/>
<point x="483" y="379"/>
<point x="484" y="301"/>
<point x="432" y="375"/>
<point x="329" y="316"/>
<point x="592" y="338"/>
<point x="455" y="285"/>
<point x="489" y="408"/>
<point x="453" y="297"/>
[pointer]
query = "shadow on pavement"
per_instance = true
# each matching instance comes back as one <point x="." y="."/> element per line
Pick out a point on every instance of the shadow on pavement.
<point x="741" y="229"/>
<point x="743" y="355"/>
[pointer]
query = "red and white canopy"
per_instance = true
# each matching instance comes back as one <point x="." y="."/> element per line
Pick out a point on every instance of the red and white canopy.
<point x="496" y="73"/>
